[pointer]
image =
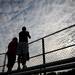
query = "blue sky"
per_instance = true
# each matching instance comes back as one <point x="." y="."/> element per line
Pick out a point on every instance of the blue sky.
<point x="41" y="17"/>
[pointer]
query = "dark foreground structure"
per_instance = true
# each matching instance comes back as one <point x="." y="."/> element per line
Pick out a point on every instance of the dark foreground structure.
<point x="48" y="68"/>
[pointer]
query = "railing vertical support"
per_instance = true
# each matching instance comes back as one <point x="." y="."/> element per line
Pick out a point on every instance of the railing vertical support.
<point x="4" y="63"/>
<point x="43" y="50"/>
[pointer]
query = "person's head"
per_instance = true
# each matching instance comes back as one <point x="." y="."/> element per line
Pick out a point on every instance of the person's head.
<point x="15" y="39"/>
<point x="24" y="28"/>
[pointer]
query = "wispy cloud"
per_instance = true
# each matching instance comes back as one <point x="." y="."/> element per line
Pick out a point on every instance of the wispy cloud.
<point x="41" y="17"/>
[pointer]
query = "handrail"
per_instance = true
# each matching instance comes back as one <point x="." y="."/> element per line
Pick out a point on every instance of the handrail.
<point x="51" y="51"/>
<point x="48" y="36"/>
<point x="2" y="53"/>
<point x="52" y="66"/>
<point x="54" y="33"/>
<point x="48" y="69"/>
<point x="54" y="50"/>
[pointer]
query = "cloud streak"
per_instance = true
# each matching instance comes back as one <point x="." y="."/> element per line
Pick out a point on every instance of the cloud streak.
<point x="41" y="17"/>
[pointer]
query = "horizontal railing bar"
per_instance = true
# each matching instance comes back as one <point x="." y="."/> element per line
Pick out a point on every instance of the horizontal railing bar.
<point x="49" y="69"/>
<point x="50" y="51"/>
<point x="36" y="56"/>
<point x="59" y="62"/>
<point x="2" y="65"/>
<point x="60" y="30"/>
<point x="48" y="36"/>
<point x="54" y="50"/>
<point x="2" y="53"/>
<point x="60" y="49"/>
<point x="53" y="33"/>
<point x="51" y="64"/>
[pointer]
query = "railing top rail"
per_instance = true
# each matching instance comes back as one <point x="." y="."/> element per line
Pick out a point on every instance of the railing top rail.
<point x="54" y="50"/>
<point x="48" y="69"/>
<point x="51" y="51"/>
<point x="49" y="35"/>
<point x="54" y="33"/>
<point x="2" y="53"/>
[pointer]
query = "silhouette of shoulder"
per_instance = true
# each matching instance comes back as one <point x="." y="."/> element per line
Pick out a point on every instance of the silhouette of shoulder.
<point x="23" y="36"/>
<point x="24" y="33"/>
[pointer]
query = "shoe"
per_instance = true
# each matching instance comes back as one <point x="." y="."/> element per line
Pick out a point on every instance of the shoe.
<point x="18" y="69"/>
<point x="24" y="67"/>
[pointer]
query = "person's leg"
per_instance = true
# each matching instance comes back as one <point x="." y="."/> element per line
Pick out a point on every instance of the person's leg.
<point x="9" y="69"/>
<point x="11" y="62"/>
<point x="9" y="65"/>
<point x="19" y="61"/>
<point x="24" y="62"/>
<point x="24" y="65"/>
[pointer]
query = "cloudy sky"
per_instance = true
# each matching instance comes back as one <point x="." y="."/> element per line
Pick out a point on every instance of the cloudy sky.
<point x="41" y="17"/>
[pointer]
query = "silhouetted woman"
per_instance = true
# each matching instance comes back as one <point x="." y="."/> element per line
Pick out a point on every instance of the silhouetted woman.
<point x="11" y="53"/>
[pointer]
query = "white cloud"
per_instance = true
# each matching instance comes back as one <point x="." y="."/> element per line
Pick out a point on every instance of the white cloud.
<point x="41" y="17"/>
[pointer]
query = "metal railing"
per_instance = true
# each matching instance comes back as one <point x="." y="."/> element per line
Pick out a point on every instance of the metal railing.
<point x="43" y="46"/>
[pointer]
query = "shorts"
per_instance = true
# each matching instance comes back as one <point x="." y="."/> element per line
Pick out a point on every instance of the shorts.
<point x="23" y="50"/>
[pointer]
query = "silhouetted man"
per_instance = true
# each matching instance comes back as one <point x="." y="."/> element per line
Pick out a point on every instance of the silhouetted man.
<point x="23" y="51"/>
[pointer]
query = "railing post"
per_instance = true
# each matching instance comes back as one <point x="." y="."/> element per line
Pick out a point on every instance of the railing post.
<point x="4" y="63"/>
<point x="43" y="50"/>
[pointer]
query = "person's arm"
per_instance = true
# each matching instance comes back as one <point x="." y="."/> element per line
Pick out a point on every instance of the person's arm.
<point x="8" y="49"/>
<point x="29" y="35"/>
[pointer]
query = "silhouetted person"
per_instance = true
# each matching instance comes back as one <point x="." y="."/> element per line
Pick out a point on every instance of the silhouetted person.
<point x="11" y="53"/>
<point x="22" y="50"/>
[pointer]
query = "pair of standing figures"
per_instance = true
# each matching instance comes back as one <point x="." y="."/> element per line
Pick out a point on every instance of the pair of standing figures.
<point x="20" y="49"/>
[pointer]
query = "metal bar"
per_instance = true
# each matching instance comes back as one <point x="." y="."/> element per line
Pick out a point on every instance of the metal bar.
<point x="49" y="51"/>
<point x="2" y="53"/>
<point x="43" y="51"/>
<point x="60" y="49"/>
<point x="4" y="63"/>
<point x="54" y="50"/>
<point x="49" y="69"/>
<point x="50" y="34"/>
<point x="54" y="33"/>
<point x="59" y="62"/>
<point x="52" y="66"/>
